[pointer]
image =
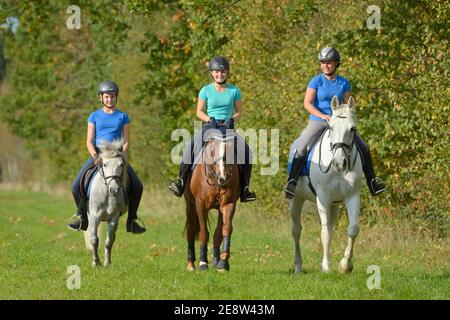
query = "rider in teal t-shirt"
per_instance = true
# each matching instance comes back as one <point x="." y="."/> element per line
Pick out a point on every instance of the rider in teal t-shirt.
<point x="220" y="105"/>
<point x="223" y="105"/>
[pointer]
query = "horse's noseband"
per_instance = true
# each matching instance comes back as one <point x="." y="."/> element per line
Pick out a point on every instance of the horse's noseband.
<point x="108" y="179"/>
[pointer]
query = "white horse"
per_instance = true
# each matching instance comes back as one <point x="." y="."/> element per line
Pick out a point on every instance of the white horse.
<point x="107" y="200"/>
<point x="336" y="175"/>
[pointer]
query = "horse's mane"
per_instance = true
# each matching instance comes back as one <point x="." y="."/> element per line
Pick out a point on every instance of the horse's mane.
<point x="111" y="149"/>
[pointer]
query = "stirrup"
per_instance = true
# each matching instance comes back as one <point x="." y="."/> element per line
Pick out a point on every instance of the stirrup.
<point x="71" y="222"/>
<point x="176" y="186"/>
<point x="131" y="225"/>
<point x="374" y="182"/>
<point x="249" y="196"/>
<point x="290" y="193"/>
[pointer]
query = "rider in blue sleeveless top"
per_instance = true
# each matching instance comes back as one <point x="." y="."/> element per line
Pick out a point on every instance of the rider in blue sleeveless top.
<point x="107" y="123"/>
<point x="319" y="93"/>
<point x="223" y="103"/>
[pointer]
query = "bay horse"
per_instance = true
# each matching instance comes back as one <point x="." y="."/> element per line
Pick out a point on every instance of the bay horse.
<point x="335" y="175"/>
<point x="107" y="198"/>
<point x="214" y="184"/>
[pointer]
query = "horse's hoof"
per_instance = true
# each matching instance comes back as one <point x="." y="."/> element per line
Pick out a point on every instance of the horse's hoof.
<point x="223" y="265"/>
<point x="190" y="267"/>
<point x="345" y="267"/>
<point x="203" y="267"/>
<point x="95" y="263"/>
<point x="215" y="261"/>
<point x="106" y="264"/>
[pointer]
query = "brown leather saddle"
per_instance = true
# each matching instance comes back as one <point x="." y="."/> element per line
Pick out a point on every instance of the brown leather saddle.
<point x="86" y="180"/>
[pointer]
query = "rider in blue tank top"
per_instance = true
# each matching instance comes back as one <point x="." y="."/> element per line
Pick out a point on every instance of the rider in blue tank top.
<point x="109" y="124"/>
<point x="319" y="93"/>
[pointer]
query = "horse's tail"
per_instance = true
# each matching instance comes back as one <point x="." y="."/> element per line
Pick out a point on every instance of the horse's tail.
<point x="192" y="226"/>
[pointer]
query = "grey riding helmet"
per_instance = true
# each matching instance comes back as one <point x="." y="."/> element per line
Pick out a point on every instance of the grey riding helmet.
<point x="219" y="63"/>
<point x="108" y="87"/>
<point x="329" y="53"/>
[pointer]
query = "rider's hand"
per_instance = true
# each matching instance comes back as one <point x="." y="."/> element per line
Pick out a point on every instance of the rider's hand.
<point x="326" y="117"/>
<point x="97" y="160"/>
<point x="212" y="122"/>
<point x="229" y="124"/>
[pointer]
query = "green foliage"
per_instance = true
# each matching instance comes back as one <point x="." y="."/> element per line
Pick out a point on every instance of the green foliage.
<point x="399" y="75"/>
<point x="55" y="72"/>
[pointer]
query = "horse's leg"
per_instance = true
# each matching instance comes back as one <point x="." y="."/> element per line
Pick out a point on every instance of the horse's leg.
<point x="227" y="229"/>
<point x="191" y="231"/>
<point x="353" y="208"/>
<point x="203" y="235"/>
<point x="111" y="236"/>
<point x="218" y="236"/>
<point x="296" y="211"/>
<point x="324" y="213"/>
<point x="93" y="237"/>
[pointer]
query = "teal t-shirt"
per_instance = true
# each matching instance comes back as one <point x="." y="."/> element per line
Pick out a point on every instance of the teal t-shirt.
<point x="220" y="105"/>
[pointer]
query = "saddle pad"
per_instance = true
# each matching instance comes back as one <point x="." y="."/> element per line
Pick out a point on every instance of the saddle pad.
<point x="307" y="166"/>
<point x="91" y="178"/>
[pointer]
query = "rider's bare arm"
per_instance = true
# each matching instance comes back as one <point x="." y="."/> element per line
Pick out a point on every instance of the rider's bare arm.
<point x="90" y="140"/>
<point x="200" y="113"/>
<point x="126" y="138"/>
<point x="347" y="95"/>
<point x="238" y="110"/>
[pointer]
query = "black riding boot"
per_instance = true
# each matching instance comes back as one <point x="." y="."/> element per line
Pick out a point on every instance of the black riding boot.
<point x="376" y="185"/>
<point x="245" y="171"/>
<point x="82" y="223"/>
<point x="178" y="186"/>
<point x="294" y="174"/>
<point x="134" y="196"/>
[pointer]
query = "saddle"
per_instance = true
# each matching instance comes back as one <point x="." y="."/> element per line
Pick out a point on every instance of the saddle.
<point x="221" y="134"/>
<point x="86" y="179"/>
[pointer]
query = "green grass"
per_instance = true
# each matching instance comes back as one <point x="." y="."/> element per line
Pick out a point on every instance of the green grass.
<point x="36" y="249"/>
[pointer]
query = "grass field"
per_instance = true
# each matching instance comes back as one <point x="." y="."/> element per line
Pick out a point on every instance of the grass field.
<point x="36" y="250"/>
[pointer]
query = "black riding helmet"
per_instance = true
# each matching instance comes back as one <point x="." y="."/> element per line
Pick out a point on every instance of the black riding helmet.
<point x="329" y="53"/>
<point x="108" y="87"/>
<point x="219" y="63"/>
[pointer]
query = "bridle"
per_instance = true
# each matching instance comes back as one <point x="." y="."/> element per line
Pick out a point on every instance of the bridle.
<point x="108" y="179"/>
<point x="347" y="148"/>
<point x="210" y="171"/>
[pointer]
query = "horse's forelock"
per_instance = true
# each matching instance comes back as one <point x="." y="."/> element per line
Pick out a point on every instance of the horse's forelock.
<point x="111" y="149"/>
<point x="344" y="111"/>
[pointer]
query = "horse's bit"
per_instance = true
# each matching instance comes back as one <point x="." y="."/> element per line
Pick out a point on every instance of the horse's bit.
<point x="112" y="177"/>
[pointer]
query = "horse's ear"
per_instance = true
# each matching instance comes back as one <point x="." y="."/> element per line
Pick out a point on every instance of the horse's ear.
<point x="335" y="103"/>
<point x="351" y="104"/>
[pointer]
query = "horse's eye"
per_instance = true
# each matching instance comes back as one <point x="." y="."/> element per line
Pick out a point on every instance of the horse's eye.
<point x="105" y="165"/>
<point x="353" y="129"/>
